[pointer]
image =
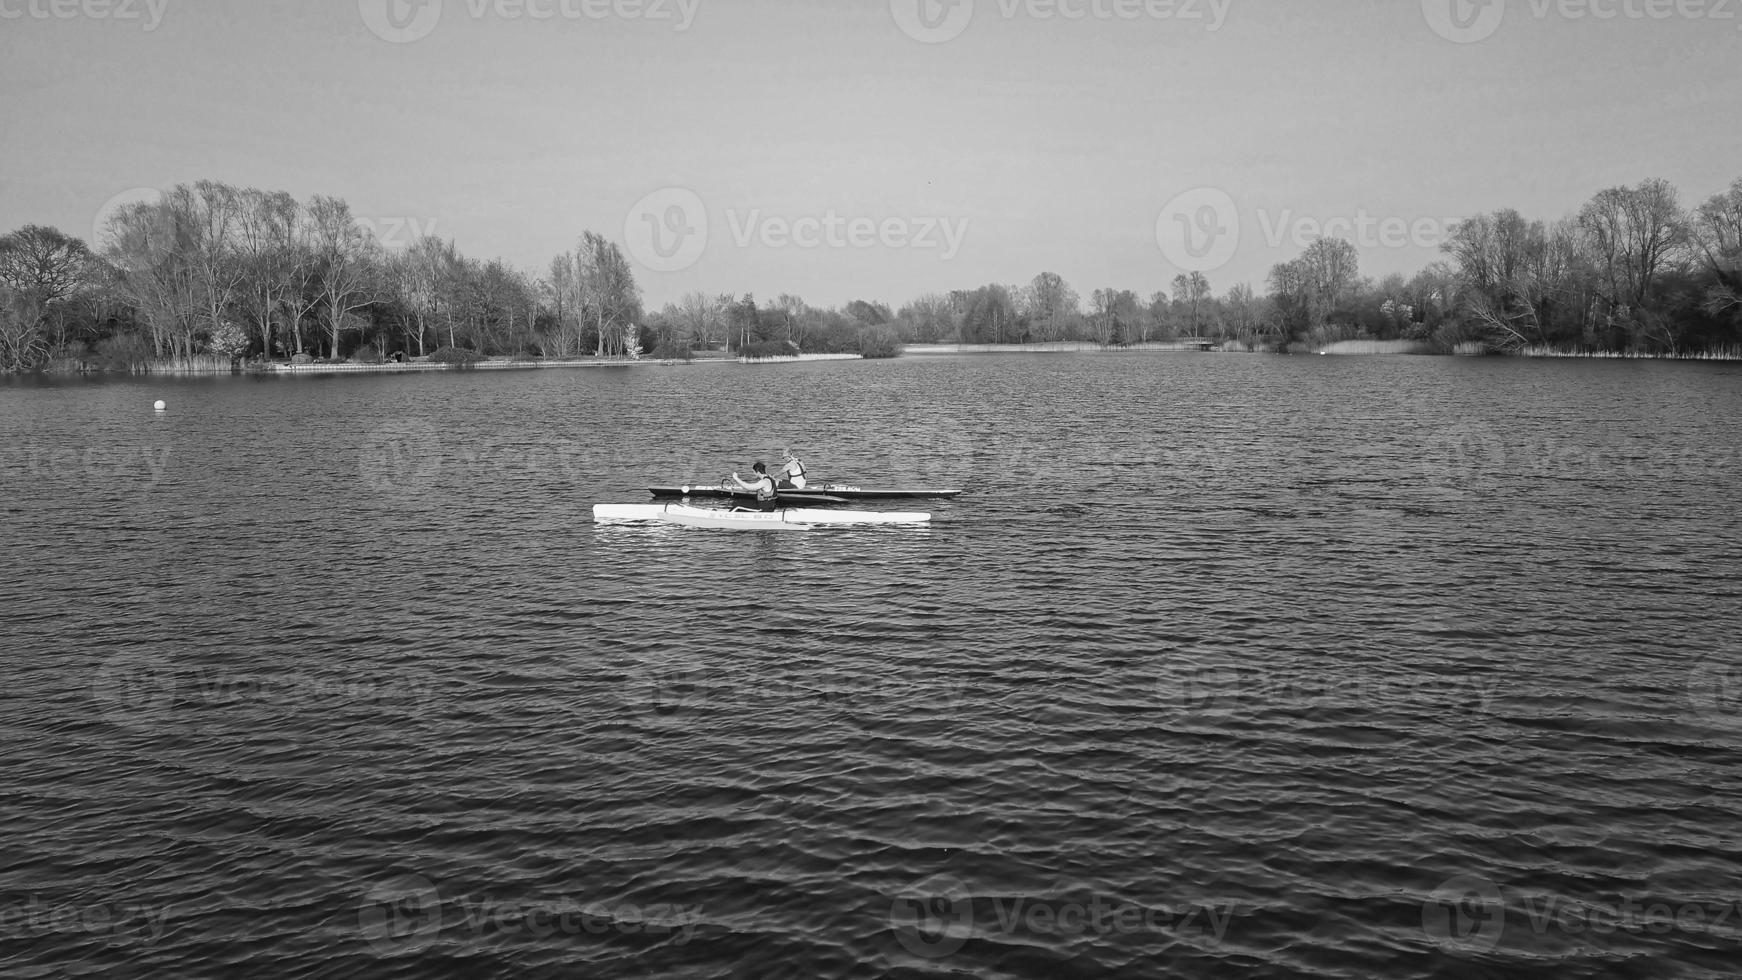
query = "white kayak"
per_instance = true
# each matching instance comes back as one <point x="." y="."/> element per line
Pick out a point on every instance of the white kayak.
<point x="792" y="518"/>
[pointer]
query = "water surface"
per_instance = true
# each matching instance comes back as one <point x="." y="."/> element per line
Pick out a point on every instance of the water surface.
<point x="1228" y="665"/>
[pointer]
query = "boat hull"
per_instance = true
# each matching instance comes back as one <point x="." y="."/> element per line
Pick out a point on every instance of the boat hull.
<point x="638" y="513"/>
<point x="815" y="491"/>
<point x="732" y="520"/>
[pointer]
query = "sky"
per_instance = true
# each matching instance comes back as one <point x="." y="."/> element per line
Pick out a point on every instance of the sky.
<point x="878" y="149"/>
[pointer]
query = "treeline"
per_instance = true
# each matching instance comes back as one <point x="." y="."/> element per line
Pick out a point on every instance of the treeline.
<point x="1631" y="271"/>
<point x="209" y="274"/>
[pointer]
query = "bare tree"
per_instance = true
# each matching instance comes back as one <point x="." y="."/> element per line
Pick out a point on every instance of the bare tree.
<point x="1051" y="303"/>
<point x="1716" y="230"/>
<point x="1634" y="232"/>
<point x="609" y="291"/>
<point x="702" y="316"/>
<point x="345" y="257"/>
<point x="1189" y="291"/>
<point x="152" y="272"/>
<point x="268" y="243"/>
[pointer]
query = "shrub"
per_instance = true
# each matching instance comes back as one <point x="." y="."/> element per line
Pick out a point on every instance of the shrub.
<point x="367" y="354"/>
<point x="455" y="355"/>
<point x="879" y="342"/>
<point x="672" y="349"/>
<point x="765" y="348"/>
<point x="230" y="340"/>
<point x="122" y="352"/>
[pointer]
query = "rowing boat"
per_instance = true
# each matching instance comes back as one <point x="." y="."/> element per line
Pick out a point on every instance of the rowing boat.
<point x="679" y="513"/>
<point x="816" y="492"/>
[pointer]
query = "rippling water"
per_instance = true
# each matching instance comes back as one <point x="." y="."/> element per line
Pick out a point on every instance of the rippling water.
<point x="1228" y="666"/>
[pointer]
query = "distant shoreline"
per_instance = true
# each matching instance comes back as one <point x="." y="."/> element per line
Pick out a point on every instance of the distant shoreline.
<point x="1345" y="348"/>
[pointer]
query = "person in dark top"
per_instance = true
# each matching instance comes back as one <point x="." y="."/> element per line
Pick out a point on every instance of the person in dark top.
<point x="767" y="494"/>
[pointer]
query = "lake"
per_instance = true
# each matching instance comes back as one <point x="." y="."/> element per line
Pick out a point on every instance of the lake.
<point x="1225" y="666"/>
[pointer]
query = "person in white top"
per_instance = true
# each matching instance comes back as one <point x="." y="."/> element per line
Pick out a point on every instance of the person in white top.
<point x="791" y="473"/>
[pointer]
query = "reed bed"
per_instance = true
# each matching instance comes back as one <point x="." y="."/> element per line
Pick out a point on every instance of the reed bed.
<point x="196" y="364"/>
<point x="1379" y="347"/>
<point x="1729" y="352"/>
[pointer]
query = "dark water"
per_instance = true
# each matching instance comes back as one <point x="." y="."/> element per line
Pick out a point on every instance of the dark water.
<point x="1230" y="666"/>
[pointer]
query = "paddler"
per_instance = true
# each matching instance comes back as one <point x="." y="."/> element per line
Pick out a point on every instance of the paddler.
<point x="791" y="475"/>
<point x="767" y="494"/>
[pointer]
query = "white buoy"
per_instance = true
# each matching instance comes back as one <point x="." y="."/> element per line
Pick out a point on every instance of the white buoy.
<point x="160" y="406"/>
